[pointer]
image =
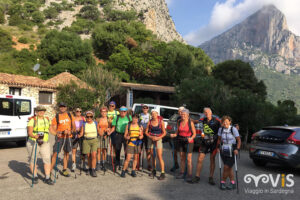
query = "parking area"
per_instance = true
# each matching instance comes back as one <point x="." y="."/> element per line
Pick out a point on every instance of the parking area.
<point x="15" y="181"/>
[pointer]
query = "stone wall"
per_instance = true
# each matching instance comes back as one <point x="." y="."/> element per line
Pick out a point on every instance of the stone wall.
<point x="34" y="92"/>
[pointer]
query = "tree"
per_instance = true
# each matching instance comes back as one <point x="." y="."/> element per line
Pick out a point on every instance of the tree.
<point x="5" y="41"/>
<point x="90" y="12"/>
<point x="105" y="83"/>
<point x="76" y="97"/>
<point x="238" y="74"/>
<point x="57" y="46"/>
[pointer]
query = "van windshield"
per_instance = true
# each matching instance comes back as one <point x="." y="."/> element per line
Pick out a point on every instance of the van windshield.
<point x="6" y="107"/>
<point x="15" y="107"/>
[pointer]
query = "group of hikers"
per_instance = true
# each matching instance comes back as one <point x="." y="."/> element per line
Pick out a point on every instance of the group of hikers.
<point x="138" y="134"/>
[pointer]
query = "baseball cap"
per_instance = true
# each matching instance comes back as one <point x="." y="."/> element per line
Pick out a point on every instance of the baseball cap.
<point x="40" y="108"/>
<point x="112" y="102"/>
<point x="145" y="105"/>
<point x="154" y="110"/>
<point x="62" y="104"/>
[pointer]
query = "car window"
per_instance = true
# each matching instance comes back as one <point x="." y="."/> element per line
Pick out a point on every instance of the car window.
<point x="297" y="135"/>
<point x="22" y="107"/>
<point x="167" y="113"/>
<point x="194" y="116"/>
<point x="6" y="107"/>
<point x="174" y="117"/>
<point x="275" y="133"/>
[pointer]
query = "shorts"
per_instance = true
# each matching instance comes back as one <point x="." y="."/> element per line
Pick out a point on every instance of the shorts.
<point x="118" y="140"/>
<point x="43" y="149"/>
<point x="77" y="142"/>
<point x="145" y="142"/>
<point x="182" y="146"/>
<point x="103" y="142"/>
<point x="158" y="145"/>
<point x="229" y="161"/>
<point x="133" y="149"/>
<point x="89" y="146"/>
<point x="60" y="143"/>
<point x="203" y="148"/>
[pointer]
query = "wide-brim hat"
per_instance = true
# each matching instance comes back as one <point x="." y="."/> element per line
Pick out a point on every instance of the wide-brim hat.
<point x="40" y="108"/>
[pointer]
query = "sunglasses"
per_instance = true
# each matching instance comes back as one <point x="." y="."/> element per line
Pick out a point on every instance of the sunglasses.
<point x="78" y="110"/>
<point x="111" y="105"/>
<point x="145" y="108"/>
<point x="89" y="117"/>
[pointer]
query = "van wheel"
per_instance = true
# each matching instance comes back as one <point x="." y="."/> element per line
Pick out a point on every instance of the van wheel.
<point x="21" y="143"/>
<point x="259" y="163"/>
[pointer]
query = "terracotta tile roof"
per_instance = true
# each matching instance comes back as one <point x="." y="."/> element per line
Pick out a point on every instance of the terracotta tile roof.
<point x="53" y="83"/>
<point x="148" y="87"/>
<point x="21" y="80"/>
<point x="65" y="78"/>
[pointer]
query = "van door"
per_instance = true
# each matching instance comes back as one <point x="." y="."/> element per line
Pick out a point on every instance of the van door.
<point x="14" y="114"/>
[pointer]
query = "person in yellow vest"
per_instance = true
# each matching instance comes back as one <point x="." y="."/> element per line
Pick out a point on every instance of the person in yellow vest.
<point x="90" y="141"/>
<point x="134" y="135"/>
<point x="38" y="131"/>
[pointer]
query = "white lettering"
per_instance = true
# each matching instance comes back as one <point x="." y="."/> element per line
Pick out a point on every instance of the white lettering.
<point x="274" y="183"/>
<point x="290" y="180"/>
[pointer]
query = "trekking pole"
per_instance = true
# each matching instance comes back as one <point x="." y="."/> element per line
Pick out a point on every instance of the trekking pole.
<point x="34" y="163"/>
<point x="111" y="156"/>
<point x="220" y="167"/>
<point x="173" y="152"/>
<point x="236" y="174"/>
<point x="186" y="158"/>
<point x="58" y="143"/>
<point x="142" y="158"/>
<point x="72" y="155"/>
<point x="154" y="157"/>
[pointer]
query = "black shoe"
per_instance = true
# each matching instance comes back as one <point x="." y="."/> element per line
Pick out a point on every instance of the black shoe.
<point x="35" y="180"/>
<point x="89" y="172"/>
<point x="123" y="174"/>
<point x="211" y="181"/>
<point x="49" y="181"/>
<point x="65" y="173"/>
<point x="102" y="167"/>
<point x="93" y="173"/>
<point x="119" y="168"/>
<point x="162" y="176"/>
<point x="98" y="167"/>
<point x="196" y="179"/>
<point x="133" y="174"/>
<point x="174" y="168"/>
<point x="153" y="173"/>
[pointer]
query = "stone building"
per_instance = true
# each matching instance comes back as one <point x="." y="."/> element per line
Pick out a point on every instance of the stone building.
<point x="43" y="91"/>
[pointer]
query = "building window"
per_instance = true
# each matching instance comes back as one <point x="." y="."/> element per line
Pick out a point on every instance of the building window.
<point x="45" y="97"/>
<point x="15" y="91"/>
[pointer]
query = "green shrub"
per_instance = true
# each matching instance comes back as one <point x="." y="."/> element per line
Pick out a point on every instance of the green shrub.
<point x="89" y="12"/>
<point x="2" y="16"/>
<point x="23" y="40"/>
<point x="5" y="41"/>
<point x="25" y="27"/>
<point x="38" y="17"/>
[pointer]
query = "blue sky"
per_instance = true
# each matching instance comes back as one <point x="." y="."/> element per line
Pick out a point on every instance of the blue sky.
<point x="200" y="20"/>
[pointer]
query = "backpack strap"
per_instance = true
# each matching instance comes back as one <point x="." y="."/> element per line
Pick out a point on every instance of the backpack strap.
<point x="129" y="124"/>
<point x="57" y="118"/>
<point x="71" y="118"/>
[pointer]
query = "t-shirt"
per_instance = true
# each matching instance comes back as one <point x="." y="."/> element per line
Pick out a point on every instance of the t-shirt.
<point x="122" y="123"/>
<point x="211" y="127"/>
<point x="90" y="130"/>
<point x="144" y="119"/>
<point x="64" y="122"/>
<point x="103" y="125"/>
<point x="42" y="125"/>
<point x="134" y="132"/>
<point x="78" y="123"/>
<point x="112" y="114"/>
<point x="228" y="137"/>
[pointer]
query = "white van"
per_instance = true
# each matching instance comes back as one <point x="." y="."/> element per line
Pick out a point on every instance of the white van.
<point x="165" y="111"/>
<point x="14" y="114"/>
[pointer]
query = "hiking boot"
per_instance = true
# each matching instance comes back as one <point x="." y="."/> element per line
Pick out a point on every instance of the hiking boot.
<point x="84" y="168"/>
<point x="123" y="174"/>
<point x="223" y="186"/>
<point x="211" y="181"/>
<point x="73" y="167"/>
<point x="35" y="180"/>
<point x="65" y="173"/>
<point x="231" y="186"/>
<point x="180" y="176"/>
<point x="93" y="173"/>
<point x="133" y="174"/>
<point x="120" y="168"/>
<point x="162" y="176"/>
<point x="102" y="167"/>
<point x="49" y="181"/>
<point x="189" y="179"/>
<point x="174" y="168"/>
<point x="98" y="167"/>
<point x="196" y="179"/>
<point x="153" y="173"/>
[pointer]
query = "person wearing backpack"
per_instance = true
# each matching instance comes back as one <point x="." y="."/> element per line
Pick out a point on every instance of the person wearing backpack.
<point x="144" y="119"/>
<point x="76" y="141"/>
<point x="118" y="128"/>
<point x="103" y="129"/>
<point x="230" y="144"/>
<point x="90" y="142"/>
<point x="38" y="132"/>
<point x="134" y="135"/>
<point x="112" y="112"/>
<point x="155" y="131"/>
<point x="208" y="144"/>
<point x="185" y="144"/>
<point x="63" y="125"/>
